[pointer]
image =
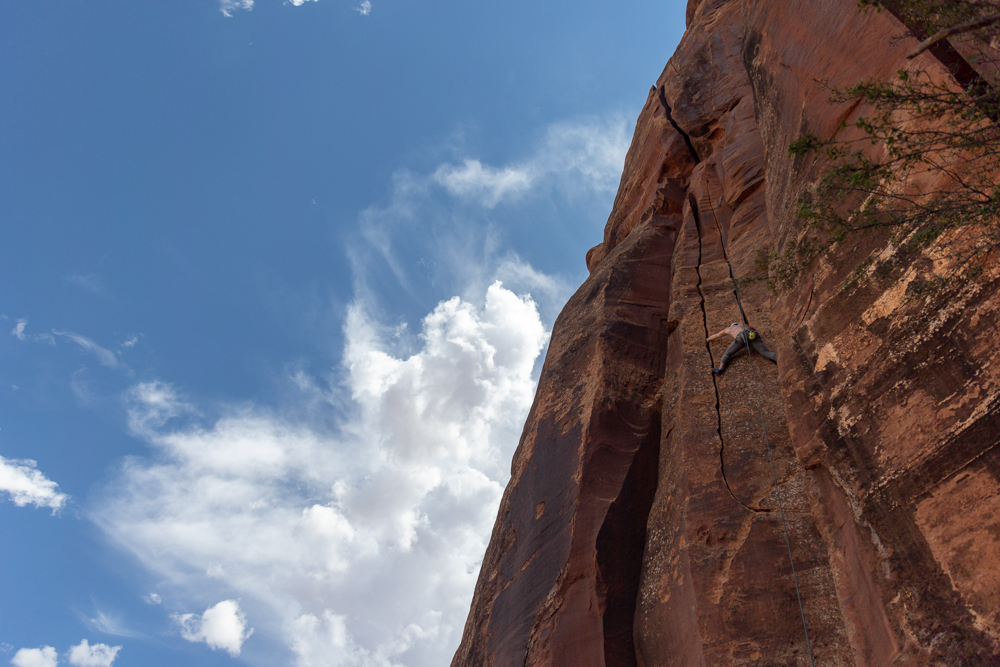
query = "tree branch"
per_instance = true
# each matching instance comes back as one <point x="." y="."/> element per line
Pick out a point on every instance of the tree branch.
<point x="956" y="29"/>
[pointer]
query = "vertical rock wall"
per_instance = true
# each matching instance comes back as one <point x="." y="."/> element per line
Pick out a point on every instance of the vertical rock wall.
<point x="895" y="397"/>
<point x="640" y="525"/>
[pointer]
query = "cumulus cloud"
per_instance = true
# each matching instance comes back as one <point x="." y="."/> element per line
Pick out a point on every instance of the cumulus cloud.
<point x="359" y="546"/>
<point x="365" y="8"/>
<point x="222" y="626"/>
<point x="98" y="655"/>
<point x="45" y="656"/>
<point x="586" y="155"/>
<point x="106" y="357"/>
<point x="26" y="485"/>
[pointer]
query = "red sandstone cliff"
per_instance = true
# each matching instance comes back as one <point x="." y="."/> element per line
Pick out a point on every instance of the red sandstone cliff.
<point x="640" y="525"/>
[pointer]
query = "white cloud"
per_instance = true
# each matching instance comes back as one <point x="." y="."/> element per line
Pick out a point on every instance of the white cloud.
<point x="229" y="6"/>
<point x="82" y="385"/>
<point x="572" y="157"/>
<point x="315" y="639"/>
<point x="152" y="598"/>
<point x="444" y="217"/>
<point x="130" y="341"/>
<point x="222" y="626"/>
<point x="98" y="655"/>
<point x="18" y="330"/>
<point x="106" y="357"/>
<point x="25" y="485"/>
<point x="160" y="403"/>
<point x="594" y="150"/>
<point x="587" y="155"/>
<point x="108" y="624"/>
<point x="365" y="8"/>
<point x="35" y="657"/>
<point x="359" y="547"/>
<point x="551" y="292"/>
<point x="489" y="185"/>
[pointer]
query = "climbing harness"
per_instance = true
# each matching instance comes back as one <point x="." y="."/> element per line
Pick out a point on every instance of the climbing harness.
<point x="748" y="335"/>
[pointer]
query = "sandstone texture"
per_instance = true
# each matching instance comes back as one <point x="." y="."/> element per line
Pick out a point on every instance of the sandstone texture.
<point x="641" y="524"/>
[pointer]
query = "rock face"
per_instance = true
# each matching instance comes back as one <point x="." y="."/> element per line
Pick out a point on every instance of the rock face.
<point x="641" y="523"/>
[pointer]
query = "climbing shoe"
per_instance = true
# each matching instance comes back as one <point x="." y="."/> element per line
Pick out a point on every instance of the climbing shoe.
<point x="718" y="371"/>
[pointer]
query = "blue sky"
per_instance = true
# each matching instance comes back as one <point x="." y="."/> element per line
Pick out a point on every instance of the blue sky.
<point x="275" y="291"/>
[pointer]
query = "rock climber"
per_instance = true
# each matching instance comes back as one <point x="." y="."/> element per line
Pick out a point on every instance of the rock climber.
<point x="742" y="334"/>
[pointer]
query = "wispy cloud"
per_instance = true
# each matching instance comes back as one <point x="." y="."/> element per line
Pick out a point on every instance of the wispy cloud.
<point x="229" y="6"/>
<point x="106" y="357"/>
<point x="160" y="403"/>
<point x="24" y="484"/>
<point x="108" y="624"/>
<point x="90" y="282"/>
<point x="444" y="215"/>
<point x="18" y="330"/>
<point x="587" y="155"/>
<point x="489" y="185"/>
<point x="365" y="8"/>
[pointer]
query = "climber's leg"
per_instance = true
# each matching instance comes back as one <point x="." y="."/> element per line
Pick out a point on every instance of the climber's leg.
<point x="735" y="349"/>
<point x="760" y="348"/>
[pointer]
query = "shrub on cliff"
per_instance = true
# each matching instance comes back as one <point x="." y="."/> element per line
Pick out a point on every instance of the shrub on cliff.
<point x="923" y="159"/>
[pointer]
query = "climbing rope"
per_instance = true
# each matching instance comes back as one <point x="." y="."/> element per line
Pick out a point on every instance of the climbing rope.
<point x="763" y="422"/>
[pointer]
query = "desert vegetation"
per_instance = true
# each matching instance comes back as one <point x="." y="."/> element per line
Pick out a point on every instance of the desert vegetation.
<point x="919" y="161"/>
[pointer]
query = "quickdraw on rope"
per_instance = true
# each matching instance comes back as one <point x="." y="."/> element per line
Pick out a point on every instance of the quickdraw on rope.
<point x="763" y="422"/>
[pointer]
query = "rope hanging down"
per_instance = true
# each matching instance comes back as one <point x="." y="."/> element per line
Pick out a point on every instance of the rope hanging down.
<point x="763" y="423"/>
